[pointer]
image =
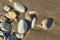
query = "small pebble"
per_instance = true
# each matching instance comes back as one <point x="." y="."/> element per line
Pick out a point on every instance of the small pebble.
<point x="33" y="23"/>
<point x="19" y="7"/>
<point x="7" y="8"/>
<point x="11" y="15"/>
<point x="5" y="27"/>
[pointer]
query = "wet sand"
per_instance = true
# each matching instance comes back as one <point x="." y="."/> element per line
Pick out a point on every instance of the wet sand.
<point x="44" y="9"/>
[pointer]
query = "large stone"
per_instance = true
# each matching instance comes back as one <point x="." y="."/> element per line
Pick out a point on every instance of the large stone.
<point x="19" y="7"/>
<point x="5" y="27"/>
<point x="11" y="15"/>
<point x="22" y="26"/>
<point x="47" y="23"/>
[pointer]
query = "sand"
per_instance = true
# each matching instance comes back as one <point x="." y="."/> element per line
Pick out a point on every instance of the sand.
<point x="44" y="9"/>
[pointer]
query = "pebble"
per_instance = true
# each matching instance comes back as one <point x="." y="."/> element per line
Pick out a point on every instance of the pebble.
<point x="12" y="37"/>
<point x="11" y="15"/>
<point x="1" y="38"/>
<point x="22" y="26"/>
<point x="1" y="33"/>
<point x="2" y="19"/>
<point x="7" y="8"/>
<point x="5" y="27"/>
<point x="19" y="7"/>
<point x="47" y="23"/>
<point x="33" y="23"/>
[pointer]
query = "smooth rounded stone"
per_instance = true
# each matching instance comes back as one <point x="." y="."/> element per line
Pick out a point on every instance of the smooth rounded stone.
<point x="33" y="22"/>
<point x="1" y="33"/>
<point x="11" y="15"/>
<point x="7" y="8"/>
<point x="2" y="19"/>
<point x="5" y="27"/>
<point x="19" y="7"/>
<point x="47" y="23"/>
<point x="12" y="37"/>
<point x="22" y="26"/>
<point x="1" y="38"/>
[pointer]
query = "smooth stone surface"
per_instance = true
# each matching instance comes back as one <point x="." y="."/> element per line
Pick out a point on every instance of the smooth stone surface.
<point x="22" y="26"/>
<point x="12" y="37"/>
<point x="33" y="22"/>
<point x="1" y="33"/>
<point x="2" y="19"/>
<point x="1" y="38"/>
<point x="7" y="8"/>
<point x="11" y="15"/>
<point x="5" y="27"/>
<point x="47" y="23"/>
<point x="19" y="7"/>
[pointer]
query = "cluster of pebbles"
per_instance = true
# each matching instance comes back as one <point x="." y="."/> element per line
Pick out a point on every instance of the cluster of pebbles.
<point x="5" y="25"/>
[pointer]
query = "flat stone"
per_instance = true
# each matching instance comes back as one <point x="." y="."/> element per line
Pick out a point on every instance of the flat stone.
<point x="5" y="27"/>
<point x="22" y="26"/>
<point x="19" y="7"/>
<point x="47" y="23"/>
<point x="11" y="15"/>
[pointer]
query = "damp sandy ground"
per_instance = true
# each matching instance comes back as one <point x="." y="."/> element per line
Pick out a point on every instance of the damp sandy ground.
<point x="44" y="9"/>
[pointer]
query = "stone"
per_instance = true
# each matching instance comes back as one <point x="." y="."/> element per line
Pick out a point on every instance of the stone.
<point x="32" y="14"/>
<point x="33" y="24"/>
<point x="2" y="19"/>
<point x="11" y="15"/>
<point x="19" y="7"/>
<point x="22" y="26"/>
<point x="7" y="8"/>
<point x="1" y="33"/>
<point x="1" y="38"/>
<point x="47" y="23"/>
<point x="12" y="37"/>
<point x="5" y="27"/>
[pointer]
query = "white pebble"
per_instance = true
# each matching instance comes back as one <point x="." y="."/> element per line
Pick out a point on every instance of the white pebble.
<point x="33" y="22"/>
<point x="7" y="8"/>
<point x="19" y="7"/>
